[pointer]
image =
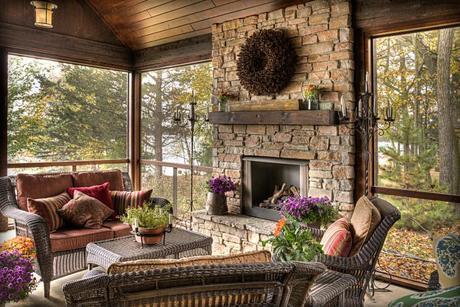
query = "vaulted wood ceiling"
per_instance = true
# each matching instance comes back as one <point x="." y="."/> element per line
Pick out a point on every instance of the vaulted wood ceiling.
<point x="141" y="24"/>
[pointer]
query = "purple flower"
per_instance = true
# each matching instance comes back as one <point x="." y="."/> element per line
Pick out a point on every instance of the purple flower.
<point x="308" y="209"/>
<point x="221" y="184"/>
<point x="16" y="280"/>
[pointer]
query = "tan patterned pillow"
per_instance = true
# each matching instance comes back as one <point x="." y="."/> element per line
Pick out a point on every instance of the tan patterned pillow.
<point x="150" y="264"/>
<point x="122" y="200"/>
<point x="85" y="211"/>
<point x="364" y="220"/>
<point x="47" y="209"/>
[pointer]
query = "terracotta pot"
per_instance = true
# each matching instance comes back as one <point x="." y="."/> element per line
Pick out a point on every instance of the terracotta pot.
<point x="216" y="204"/>
<point x="155" y="236"/>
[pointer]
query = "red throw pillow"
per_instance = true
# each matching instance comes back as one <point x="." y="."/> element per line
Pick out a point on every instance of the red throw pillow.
<point x="337" y="240"/>
<point x="100" y="192"/>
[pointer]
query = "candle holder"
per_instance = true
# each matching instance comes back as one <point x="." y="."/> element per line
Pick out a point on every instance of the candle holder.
<point x="367" y="122"/>
<point x="184" y="118"/>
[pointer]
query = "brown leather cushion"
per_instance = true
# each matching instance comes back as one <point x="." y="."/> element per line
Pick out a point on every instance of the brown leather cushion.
<point x="149" y="264"/>
<point x="119" y="229"/>
<point x="364" y="220"/>
<point x="87" y="179"/>
<point x="40" y="186"/>
<point x="69" y="239"/>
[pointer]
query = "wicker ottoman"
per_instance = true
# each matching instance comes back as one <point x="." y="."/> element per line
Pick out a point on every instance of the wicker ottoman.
<point x="179" y="243"/>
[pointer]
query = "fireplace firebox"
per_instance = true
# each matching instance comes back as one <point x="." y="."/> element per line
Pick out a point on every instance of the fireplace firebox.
<point x="267" y="182"/>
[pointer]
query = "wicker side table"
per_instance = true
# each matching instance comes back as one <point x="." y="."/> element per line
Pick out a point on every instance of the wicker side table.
<point x="179" y="243"/>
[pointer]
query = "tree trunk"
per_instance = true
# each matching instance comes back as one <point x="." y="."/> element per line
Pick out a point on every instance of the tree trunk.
<point x="447" y="157"/>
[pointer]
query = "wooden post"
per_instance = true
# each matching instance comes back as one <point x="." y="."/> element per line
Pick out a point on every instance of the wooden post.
<point x="135" y="128"/>
<point x="175" y="191"/>
<point x="3" y="111"/>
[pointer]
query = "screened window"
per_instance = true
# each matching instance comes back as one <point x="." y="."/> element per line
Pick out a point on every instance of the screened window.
<point x="60" y="112"/>
<point x="419" y="75"/>
<point x="163" y="141"/>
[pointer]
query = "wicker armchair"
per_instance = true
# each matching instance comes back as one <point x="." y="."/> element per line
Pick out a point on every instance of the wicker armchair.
<point x="361" y="265"/>
<point x="51" y="265"/>
<point x="263" y="284"/>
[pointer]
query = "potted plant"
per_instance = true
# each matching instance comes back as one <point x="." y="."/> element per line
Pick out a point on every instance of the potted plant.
<point x="313" y="211"/>
<point x="149" y="223"/>
<point x="216" y="202"/>
<point x="16" y="277"/>
<point x="311" y="97"/>
<point x="24" y="245"/>
<point x="292" y="242"/>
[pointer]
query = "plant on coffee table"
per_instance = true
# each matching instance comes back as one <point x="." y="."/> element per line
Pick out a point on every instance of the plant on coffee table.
<point x="151" y="221"/>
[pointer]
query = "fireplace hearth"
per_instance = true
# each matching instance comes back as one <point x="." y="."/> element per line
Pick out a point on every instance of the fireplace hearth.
<point x="267" y="182"/>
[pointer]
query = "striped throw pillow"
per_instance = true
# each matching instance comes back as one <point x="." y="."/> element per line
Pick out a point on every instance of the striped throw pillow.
<point x="122" y="200"/>
<point x="47" y="209"/>
<point x="337" y="239"/>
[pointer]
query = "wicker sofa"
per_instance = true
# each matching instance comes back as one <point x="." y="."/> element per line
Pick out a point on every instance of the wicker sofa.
<point x="362" y="264"/>
<point x="256" y="284"/>
<point x="62" y="252"/>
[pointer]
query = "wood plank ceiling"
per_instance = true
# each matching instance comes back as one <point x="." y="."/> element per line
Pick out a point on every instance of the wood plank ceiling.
<point x="142" y="24"/>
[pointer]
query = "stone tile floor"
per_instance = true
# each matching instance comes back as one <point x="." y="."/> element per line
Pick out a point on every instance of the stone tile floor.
<point x="380" y="298"/>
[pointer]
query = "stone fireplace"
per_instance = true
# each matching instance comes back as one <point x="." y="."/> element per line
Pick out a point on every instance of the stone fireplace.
<point x="321" y="33"/>
<point x="263" y="178"/>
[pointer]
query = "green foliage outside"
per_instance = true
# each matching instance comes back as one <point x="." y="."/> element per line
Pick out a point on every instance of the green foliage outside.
<point x="65" y="112"/>
<point x="163" y="91"/>
<point x="421" y="150"/>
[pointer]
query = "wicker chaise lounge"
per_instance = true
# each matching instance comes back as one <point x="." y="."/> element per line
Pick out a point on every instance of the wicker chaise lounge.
<point x="259" y="284"/>
<point x="361" y="265"/>
<point x="52" y="264"/>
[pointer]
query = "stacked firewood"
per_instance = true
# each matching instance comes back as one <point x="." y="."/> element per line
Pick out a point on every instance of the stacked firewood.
<point x="280" y="194"/>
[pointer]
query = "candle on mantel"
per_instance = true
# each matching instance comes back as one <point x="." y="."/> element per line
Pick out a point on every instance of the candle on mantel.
<point x="375" y="109"/>
<point x="389" y="113"/>
<point x="360" y="108"/>
<point x="366" y="82"/>
<point x="206" y="116"/>
<point x="343" y="106"/>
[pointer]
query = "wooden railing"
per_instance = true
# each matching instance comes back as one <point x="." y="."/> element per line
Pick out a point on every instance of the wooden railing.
<point x="175" y="167"/>
<point x="73" y="163"/>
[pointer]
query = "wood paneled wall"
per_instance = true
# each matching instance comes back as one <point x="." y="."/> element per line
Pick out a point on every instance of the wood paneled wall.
<point x="79" y="35"/>
<point x="192" y="50"/>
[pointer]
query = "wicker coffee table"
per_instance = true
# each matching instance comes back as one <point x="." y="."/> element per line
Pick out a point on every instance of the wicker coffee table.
<point x="179" y="243"/>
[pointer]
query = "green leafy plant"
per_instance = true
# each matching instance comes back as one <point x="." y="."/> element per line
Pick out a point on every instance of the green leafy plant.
<point x="147" y="217"/>
<point x="292" y="242"/>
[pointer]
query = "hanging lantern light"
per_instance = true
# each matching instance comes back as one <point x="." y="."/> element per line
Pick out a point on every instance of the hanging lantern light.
<point x="43" y="13"/>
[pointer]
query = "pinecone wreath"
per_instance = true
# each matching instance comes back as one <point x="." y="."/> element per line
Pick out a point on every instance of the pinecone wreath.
<point x="266" y="62"/>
